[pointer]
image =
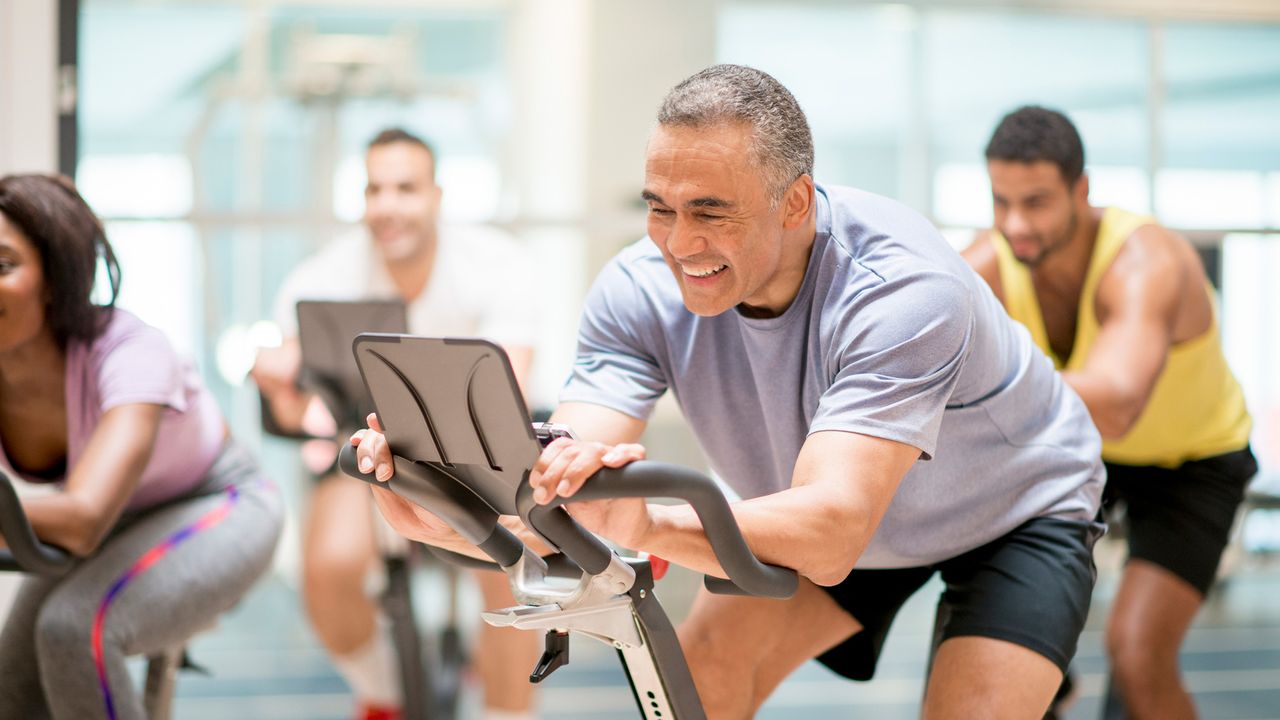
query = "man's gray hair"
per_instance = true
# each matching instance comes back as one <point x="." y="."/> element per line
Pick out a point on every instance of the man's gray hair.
<point x="781" y="141"/>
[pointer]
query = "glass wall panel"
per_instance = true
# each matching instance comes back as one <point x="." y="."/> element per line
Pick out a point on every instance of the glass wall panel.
<point x="246" y="123"/>
<point x="850" y="69"/>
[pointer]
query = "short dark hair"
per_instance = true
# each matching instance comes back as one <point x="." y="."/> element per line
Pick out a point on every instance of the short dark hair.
<point x="392" y="135"/>
<point x="1032" y="133"/>
<point x="781" y="140"/>
<point x="70" y="240"/>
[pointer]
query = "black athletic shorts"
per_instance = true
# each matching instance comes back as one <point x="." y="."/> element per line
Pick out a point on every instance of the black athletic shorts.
<point x="1030" y="587"/>
<point x="1181" y="519"/>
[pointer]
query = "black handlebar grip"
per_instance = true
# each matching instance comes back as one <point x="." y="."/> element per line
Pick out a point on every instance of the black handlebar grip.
<point x="433" y="489"/>
<point x="349" y="464"/>
<point x="556" y="526"/>
<point x="655" y="479"/>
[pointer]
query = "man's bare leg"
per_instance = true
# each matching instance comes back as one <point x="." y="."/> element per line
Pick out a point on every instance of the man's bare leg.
<point x="741" y="648"/>
<point x="978" y="677"/>
<point x="1149" y="619"/>
<point x="338" y="552"/>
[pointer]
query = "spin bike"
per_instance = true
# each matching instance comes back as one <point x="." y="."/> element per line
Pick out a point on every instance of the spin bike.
<point x="430" y="666"/>
<point x="463" y="449"/>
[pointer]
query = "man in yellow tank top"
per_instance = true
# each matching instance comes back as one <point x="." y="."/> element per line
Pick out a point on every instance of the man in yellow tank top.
<point x="1124" y="309"/>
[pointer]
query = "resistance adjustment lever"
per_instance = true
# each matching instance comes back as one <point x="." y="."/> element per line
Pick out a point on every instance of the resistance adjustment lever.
<point x="555" y="656"/>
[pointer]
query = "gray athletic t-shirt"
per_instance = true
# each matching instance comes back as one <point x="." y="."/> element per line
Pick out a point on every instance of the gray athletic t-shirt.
<point x="891" y="335"/>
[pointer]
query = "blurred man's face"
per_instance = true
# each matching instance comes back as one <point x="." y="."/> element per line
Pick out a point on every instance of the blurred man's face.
<point x="1035" y="209"/>
<point x="710" y="215"/>
<point x="401" y="200"/>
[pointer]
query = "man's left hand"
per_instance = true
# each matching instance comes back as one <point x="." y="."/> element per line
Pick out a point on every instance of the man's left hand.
<point x="565" y="465"/>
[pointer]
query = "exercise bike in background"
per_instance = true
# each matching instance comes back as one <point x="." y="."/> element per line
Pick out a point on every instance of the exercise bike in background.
<point x="430" y="664"/>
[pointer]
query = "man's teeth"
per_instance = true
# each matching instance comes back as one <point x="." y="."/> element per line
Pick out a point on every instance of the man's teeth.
<point x="705" y="272"/>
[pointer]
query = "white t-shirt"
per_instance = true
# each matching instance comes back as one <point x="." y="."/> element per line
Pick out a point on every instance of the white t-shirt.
<point x="481" y="285"/>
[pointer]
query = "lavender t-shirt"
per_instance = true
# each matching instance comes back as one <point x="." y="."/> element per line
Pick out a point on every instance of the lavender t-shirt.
<point x="132" y="362"/>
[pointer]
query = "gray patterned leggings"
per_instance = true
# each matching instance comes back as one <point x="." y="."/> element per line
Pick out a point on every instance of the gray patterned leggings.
<point x="162" y="575"/>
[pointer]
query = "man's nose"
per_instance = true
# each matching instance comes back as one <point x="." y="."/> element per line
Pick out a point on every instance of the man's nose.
<point x="686" y="239"/>
<point x="1015" y="222"/>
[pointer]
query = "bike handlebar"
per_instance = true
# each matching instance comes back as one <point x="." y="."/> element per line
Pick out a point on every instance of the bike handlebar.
<point x="434" y="489"/>
<point x="25" y="553"/>
<point x="649" y="479"/>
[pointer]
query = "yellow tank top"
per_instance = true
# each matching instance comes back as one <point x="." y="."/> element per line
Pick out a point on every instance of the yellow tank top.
<point x="1196" y="409"/>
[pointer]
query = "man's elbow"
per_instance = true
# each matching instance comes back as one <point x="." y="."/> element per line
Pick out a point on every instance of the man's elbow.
<point x="836" y="549"/>
<point x="1118" y="420"/>
<point x="830" y="577"/>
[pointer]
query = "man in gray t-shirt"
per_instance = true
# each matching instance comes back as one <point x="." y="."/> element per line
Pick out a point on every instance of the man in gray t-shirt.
<point x="889" y="335"/>
<point x="848" y="374"/>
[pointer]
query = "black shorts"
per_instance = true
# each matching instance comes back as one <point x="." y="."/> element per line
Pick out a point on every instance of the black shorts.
<point x="1030" y="587"/>
<point x="1181" y="519"/>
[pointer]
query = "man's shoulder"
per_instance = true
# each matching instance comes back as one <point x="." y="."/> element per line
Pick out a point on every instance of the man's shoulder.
<point x="1146" y="246"/>
<point x="476" y="248"/>
<point x="859" y="216"/>
<point x="636" y="276"/>
<point x="335" y="256"/>
<point x="337" y="268"/>
<point x="887" y="239"/>
<point x="981" y="255"/>
<point x="642" y="263"/>
<point x="855" y="202"/>
<point x="475" y="235"/>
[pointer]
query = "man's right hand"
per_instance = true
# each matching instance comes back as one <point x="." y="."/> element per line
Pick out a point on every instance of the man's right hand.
<point x="275" y="370"/>
<point x="373" y="454"/>
<point x="411" y="520"/>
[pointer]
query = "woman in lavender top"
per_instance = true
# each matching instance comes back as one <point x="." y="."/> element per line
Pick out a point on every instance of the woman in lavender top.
<point x="171" y="521"/>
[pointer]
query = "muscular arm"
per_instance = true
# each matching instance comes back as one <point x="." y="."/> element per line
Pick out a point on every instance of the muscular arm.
<point x="101" y="483"/>
<point x="1137" y="306"/>
<point x="842" y="484"/>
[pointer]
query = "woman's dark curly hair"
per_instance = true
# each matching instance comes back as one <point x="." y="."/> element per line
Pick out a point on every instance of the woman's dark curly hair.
<point x="49" y="212"/>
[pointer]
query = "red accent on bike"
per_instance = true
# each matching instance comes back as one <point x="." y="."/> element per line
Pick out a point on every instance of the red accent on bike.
<point x="378" y="712"/>
<point x="659" y="566"/>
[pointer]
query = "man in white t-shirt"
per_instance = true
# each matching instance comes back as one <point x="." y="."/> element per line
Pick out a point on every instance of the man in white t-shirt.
<point x="455" y="282"/>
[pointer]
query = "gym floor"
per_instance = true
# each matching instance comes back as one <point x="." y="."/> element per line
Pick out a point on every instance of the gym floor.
<point x="265" y="664"/>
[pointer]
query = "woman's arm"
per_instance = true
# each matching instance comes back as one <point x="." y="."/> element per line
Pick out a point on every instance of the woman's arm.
<point x="99" y="486"/>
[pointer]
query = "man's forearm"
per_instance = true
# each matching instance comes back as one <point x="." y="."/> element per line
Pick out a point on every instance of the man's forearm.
<point x="287" y="408"/>
<point x="789" y="529"/>
<point x="460" y="545"/>
<point x="1111" y="410"/>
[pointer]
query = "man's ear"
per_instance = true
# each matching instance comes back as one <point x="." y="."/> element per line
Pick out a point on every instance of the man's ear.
<point x="1080" y="191"/>
<point x="797" y="202"/>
